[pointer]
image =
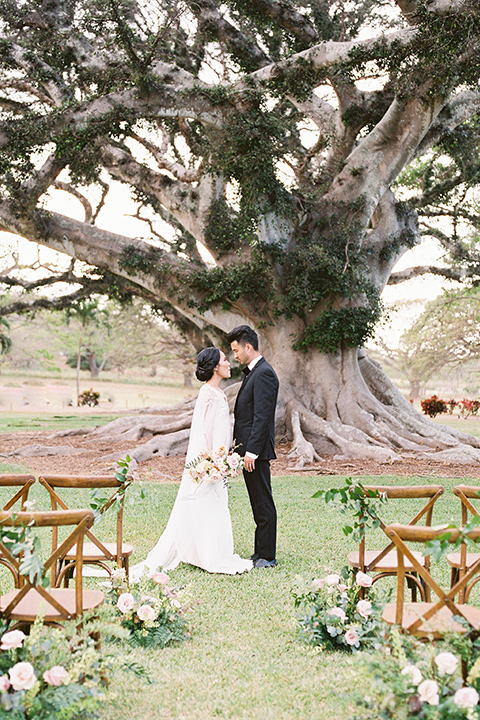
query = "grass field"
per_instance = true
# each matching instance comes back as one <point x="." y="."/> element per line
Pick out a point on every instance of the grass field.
<point x="244" y="659"/>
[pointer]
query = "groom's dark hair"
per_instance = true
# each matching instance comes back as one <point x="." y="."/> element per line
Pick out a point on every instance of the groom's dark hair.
<point x="243" y="334"/>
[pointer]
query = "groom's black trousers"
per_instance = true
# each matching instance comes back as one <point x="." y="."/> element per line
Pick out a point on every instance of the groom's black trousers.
<point x="259" y="489"/>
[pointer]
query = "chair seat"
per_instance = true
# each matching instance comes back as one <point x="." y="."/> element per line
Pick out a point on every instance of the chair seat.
<point x="386" y="564"/>
<point x="453" y="559"/>
<point x="33" y="604"/>
<point x="91" y="552"/>
<point x="437" y="625"/>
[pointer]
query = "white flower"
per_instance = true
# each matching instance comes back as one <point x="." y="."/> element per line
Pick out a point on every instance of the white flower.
<point x="22" y="676"/>
<point x="146" y="612"/>
<point x="446" y="663"/>
<point x="125" y="602"/>
<point x="364" y="608"/>
<point x="317" y="584"/>
<point x="428" y="692"/>
<point x="4" y="683"/>
<point x="118" y="574"/>
<point x="351" y="637"/>
<point x="55" y="676"/>
<point x="466" y="697"/>
<point x="413" y="674"/>
<point x="363" y="579"/>
<point x="160" y="578"/>
<point x="342" y="587"/>
<point x="12" y="640"/>
<point x="337" y="612"/>
<point x="333" y="579"/>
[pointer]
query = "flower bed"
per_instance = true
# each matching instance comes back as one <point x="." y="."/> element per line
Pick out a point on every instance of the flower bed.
<point x="332" y="616"/>
<point x="153" y="612"/>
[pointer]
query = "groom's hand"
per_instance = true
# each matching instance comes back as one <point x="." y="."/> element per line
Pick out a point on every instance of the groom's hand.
<point x="249" y="463"/>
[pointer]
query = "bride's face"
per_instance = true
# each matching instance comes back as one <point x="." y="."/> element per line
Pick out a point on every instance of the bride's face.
<point x="223" y="367"/>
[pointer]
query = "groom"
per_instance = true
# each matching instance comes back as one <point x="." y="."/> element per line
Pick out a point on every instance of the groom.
<point x="254" y="435"/>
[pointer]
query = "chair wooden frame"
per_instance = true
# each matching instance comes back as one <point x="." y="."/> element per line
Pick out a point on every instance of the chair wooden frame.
<point x="25" y="604"/>
<point x="429" y="619"/>
<point x="96" y="552"/>
<point x="385" y="561"/>
<point x="459" y="562"/>
<point x="23" y="483"/>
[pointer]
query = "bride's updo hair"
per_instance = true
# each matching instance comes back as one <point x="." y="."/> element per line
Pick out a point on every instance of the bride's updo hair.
<point x="207" y="361"/>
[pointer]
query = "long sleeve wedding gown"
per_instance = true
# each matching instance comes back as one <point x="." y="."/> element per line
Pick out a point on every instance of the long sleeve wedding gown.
<point x="199" y="530"/>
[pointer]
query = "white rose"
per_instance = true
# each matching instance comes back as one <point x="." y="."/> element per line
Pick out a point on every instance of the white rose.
<point x="351" y="637"/>
<point x="364" y="608"/>
<point x="125" y="602"/>
<point x="333" y="579"/>
<point x="413" y="674"/>
<point x="12" y="640"/>
<point x="428" y="692"/>
<point x="316" y="585"/>
<point x="146" y="612"/>
<point x="446" y="663"/>
<point x="22" y="676"/>
<point x="338" y="612"/>
<point x="466" y="697"/>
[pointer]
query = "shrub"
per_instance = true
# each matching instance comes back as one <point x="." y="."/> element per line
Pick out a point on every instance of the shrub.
<point x="434" y="406"/>
<point x="89" y="397"/>
<point x="468" y="407"/>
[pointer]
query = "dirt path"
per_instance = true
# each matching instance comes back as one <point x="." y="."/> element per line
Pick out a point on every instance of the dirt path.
<point x="92" y="454"/>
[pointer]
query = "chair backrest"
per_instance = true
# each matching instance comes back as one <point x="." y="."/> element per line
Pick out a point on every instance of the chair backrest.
<point x="403" y="534"/>
<point x="430" y="493"/>
<point x="52" y="483"/>
<point x="80" y="520"/>
<point x="23" y="483"/>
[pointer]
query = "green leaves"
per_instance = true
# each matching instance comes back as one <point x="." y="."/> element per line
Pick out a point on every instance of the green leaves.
<point x="442" y="544"/>
<point x="356" y="500"/>
<point x="24" y="545"/>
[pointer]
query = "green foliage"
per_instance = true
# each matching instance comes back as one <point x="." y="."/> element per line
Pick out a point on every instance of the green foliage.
<point x="89" y="397"/>
<point x="334" y="329"/>
<point x="25" y="546"/>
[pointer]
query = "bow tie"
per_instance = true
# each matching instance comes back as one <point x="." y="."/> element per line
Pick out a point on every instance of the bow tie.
<point x="246" y="370"/>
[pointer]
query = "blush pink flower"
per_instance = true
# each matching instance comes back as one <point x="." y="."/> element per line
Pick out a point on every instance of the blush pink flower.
<point x="428" y="692"/>
<point x="466" y="697"/>
<point x="446" y="663"/>
<point x="341" y="587"/>
<point x="351" y="637"/>
<point x="413" y="674"/>
<point x="146" y="612"/>
<point x="4" y="683"/>
<point x="317" y="584"/>
<point x="55" y="676"/>
<point x="125" y="602"/>
<point x="364" y="608"/>
<point x="332" y="579"/>
<point x="11" y="640"/>
<point x="337" y="612"/>
<point x="160" y="578"/>
<point x="22" y="676"/>
<point x="363" y="579"/>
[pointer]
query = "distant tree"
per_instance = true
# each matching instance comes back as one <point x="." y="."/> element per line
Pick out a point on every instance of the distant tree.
<point x="81" y="316"/>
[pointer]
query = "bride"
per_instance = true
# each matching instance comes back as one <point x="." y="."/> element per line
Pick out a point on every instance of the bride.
<point x="199" y="531"/>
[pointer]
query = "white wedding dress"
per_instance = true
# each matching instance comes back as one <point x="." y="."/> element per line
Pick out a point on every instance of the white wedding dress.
<point x="199" y="530"/>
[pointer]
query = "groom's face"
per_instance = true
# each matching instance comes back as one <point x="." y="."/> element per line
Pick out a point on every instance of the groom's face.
<point x="241" y="352"/>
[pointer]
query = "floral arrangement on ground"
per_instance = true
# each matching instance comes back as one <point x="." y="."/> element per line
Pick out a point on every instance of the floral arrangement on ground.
<point x="412" y="680"/>
<point x="332" y="613"/>
<point x="54" y="672"/>
<point x="153" y="612"/>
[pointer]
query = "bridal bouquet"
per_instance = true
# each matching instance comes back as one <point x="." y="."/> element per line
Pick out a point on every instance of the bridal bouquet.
<point x="214" y="466"/>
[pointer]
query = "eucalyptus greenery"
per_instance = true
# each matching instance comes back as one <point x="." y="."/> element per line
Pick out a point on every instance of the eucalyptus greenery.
<point x="361" y="504"/>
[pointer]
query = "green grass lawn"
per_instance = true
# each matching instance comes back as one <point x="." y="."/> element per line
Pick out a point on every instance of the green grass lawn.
<point x="244" y="659"/>
<point x="14" y="422"/>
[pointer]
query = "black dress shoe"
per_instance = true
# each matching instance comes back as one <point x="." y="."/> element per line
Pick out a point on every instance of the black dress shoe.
<point x="262" y="563"/>
<point x="254" y="557"/>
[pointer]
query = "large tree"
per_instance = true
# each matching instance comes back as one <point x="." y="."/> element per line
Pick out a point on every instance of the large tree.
<point x="272" y="135"/>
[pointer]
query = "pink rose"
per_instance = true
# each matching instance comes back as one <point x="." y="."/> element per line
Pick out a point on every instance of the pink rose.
<point x="55" y="676"/>
<point x="363" y="579"/>
<point x="146" y="612"/>
<point x="233" y="461"/>
<point x="337" y="612"/>
<point x="125" y="602"/>
<point x="12" y="640"/>
<point x="364" y="608"/>
<point x="341" y="587"/>
<point x="160" y="578"/>
<point x="428" y="692"/>
<point x="22" y="676"/>
<point x="446" y="663"/>
<point x="332" y="579"/>
<point x="413" y="674"/>
<point x="466" y="697"/>
<point x="4" y="683"/>
<point x="351" y="637"/>
<point x="316" y="585"/>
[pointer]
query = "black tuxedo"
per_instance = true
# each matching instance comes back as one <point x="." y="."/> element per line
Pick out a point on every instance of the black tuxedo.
<point x="254" y="432"/>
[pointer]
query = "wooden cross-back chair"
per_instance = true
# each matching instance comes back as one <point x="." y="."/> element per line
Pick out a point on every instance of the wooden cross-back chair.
<point x="383" y="562"/>
<point x="463" y="559"/>
<point x="429" y="619"/>
<point x="22" y="485"/>
<point x="25" y="604"/>
<point x="95" y="551"/>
